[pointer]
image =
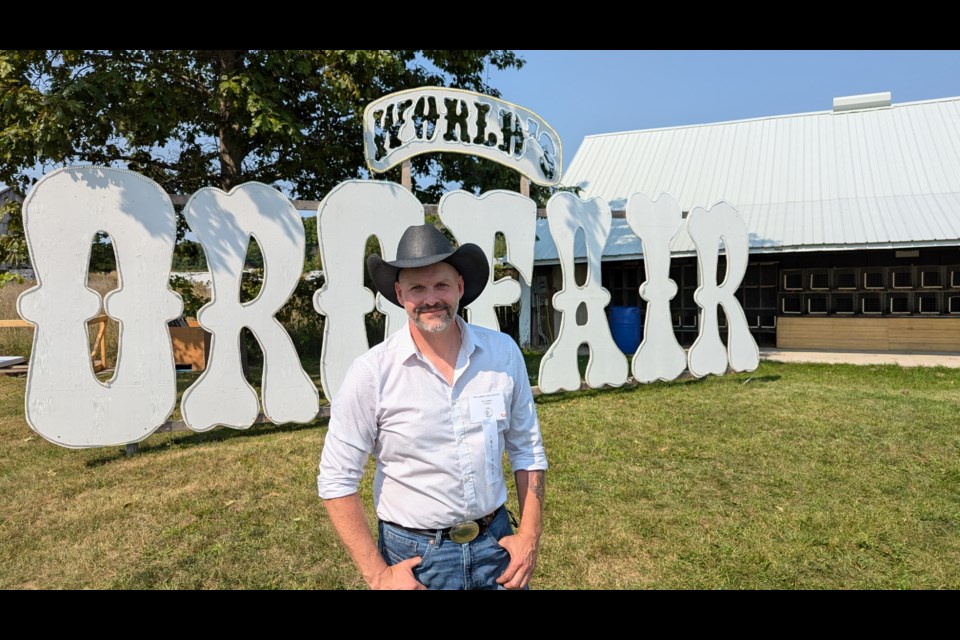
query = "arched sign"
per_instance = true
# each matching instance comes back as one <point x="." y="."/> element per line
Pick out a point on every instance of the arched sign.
<point x="431" y="119"/>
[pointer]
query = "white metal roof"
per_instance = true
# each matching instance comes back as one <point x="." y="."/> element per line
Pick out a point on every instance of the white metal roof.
<point x="876" y="177"/>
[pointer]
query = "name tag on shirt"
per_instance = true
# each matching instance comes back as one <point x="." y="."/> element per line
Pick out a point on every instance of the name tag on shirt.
<point x="486" y="407"/>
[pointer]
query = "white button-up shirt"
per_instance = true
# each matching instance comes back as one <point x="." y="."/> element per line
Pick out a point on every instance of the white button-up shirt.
<point x="437" y="446"/>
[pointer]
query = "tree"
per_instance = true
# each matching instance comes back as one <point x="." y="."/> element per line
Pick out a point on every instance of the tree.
<point x="191" y="118"/>
<point x="188" y="256"/>
<point x="102" y="257"/>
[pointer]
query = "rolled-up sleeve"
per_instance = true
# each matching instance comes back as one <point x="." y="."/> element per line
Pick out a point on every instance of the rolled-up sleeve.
<point x="351" y="433"/>
<point x="524" y="443"/>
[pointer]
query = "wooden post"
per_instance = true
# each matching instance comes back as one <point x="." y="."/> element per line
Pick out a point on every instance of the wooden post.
<point x="405" y="178"/>
<point x="100" y="344"/>
<point x="102" y="341"/>
<point x="525" y="186"/>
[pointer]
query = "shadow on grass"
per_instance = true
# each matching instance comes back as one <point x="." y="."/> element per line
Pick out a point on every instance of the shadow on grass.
<point x="728" y="378"/>
<point x="758" y="379"/>
<point x="634" y="387"/>
<point x="630" y="387"/>
<point x="196" y="438"/>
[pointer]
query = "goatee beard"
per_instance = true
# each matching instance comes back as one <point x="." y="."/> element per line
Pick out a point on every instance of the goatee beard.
<point x="439" y="324"/>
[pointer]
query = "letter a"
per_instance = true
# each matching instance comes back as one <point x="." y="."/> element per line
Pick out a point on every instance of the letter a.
<point x="660" y="356"/>
<point x="224" y="223"/>
<point x="707" y="355"/>
<point x="66" y="404"/>
<point x="566" y="213"/>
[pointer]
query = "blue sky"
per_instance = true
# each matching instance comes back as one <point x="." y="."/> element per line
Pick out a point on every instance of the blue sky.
<point x="581" y="93"/>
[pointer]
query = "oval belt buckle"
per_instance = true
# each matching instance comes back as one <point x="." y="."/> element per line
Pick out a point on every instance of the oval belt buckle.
<point x="464" y="532"/>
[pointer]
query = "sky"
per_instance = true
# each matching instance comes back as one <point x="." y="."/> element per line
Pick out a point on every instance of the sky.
<point x="581" y="93"/>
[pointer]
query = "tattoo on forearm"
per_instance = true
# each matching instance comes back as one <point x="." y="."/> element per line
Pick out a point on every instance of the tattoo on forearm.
<point x="538" y="485"/>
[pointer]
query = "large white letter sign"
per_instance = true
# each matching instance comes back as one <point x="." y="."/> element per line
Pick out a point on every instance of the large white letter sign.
<point x="660" y="356"/>
<point x="224" y="223"/>
<point x="707" y="355"/>
<point x="477" y="220"/>
<point x="566" y="213"/>
<point x="65" y="403"/>
<point x="350" y="214"/>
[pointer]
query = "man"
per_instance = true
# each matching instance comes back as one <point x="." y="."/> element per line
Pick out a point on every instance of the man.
<point x="437" y="403"/>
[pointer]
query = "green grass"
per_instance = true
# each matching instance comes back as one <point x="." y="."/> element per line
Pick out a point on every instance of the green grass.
<point x="794" y="476"/>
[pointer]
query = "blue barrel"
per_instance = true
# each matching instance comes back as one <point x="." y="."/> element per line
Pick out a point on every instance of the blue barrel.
<point x="626" y="328"/>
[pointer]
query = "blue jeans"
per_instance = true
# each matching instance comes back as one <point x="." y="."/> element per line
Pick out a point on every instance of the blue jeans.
<point x="447" y="564"/>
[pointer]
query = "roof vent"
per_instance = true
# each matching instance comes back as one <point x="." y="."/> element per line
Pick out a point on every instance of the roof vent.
<point x="862" y="101"/>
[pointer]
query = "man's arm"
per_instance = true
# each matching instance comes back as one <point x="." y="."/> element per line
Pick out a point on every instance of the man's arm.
<point x="524" y="546"/>
<point x="349" y="520"/>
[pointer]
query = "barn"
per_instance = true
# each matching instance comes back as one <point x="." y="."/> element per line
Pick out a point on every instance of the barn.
<point x="853" y="217"/>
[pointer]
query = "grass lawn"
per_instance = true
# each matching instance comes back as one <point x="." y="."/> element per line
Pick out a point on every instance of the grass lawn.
<point x="795" y="476"/>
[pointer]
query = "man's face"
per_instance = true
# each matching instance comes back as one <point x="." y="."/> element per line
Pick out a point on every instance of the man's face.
<point x="431" y="295"/>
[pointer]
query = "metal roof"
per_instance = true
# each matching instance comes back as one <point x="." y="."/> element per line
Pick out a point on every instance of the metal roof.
<point x="869" y="178"/>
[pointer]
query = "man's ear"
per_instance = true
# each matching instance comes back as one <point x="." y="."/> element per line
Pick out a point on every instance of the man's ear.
<point x="460" y="286"/>
<point x="399" y="292"/>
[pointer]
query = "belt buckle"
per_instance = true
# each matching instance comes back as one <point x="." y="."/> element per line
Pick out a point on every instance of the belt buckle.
<point x="464" y="532"/>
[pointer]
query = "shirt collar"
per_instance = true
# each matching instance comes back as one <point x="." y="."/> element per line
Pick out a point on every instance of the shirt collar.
<point x="407" y="348"/>
<point x="468" y="338"/>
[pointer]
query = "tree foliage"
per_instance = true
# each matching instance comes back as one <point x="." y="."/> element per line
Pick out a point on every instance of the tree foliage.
<point x="188" y="256"/>
<point x="102" y="257"/>
<point x="190" y="119"/>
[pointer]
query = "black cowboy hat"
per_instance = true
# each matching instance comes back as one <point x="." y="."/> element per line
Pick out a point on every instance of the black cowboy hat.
<point x="423" y="245"/>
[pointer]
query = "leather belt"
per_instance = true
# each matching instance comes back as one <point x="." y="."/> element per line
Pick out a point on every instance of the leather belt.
<point x="461" y="533"/>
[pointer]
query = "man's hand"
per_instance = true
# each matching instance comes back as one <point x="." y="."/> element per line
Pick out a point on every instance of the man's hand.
<point x="523" y="546"/>
<point x="523" y="560"/>
<point x="398" y="576"/>
<point x="348" y="519"/>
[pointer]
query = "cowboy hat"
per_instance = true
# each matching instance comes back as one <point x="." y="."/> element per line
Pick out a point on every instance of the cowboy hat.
<point x="423" y="245"/>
